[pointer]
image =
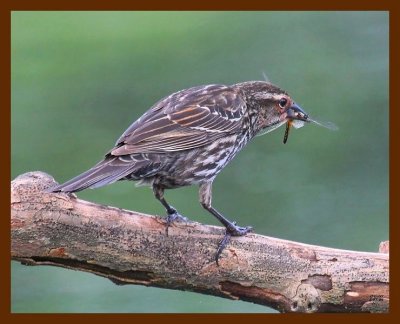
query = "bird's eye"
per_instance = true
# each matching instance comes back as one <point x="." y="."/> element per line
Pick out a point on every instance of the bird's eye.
<point x="283" y="102"/>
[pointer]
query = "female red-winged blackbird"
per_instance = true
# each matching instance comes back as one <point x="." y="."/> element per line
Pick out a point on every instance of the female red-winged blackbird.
<point x="188" y="138"/>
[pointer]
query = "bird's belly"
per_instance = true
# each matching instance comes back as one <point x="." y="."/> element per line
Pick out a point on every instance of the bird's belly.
<point x="198" y="165"/>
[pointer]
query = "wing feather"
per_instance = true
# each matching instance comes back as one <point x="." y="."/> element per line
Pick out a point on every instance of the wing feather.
<point x="187" y="119"/>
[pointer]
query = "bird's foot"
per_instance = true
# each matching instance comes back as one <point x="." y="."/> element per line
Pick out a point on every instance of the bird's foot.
<point x="237" y="230"/>
<point x="231" y="230"/>
<point x="173" y="216"/>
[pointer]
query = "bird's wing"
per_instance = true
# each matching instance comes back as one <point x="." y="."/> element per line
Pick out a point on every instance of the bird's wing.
<point x="187" y="119"/>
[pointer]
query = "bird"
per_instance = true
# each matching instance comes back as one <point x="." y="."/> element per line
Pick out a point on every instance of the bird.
<point x="187" y="138"/>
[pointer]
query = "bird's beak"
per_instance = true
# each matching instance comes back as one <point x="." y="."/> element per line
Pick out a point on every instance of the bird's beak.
<point x="295" y="112"/>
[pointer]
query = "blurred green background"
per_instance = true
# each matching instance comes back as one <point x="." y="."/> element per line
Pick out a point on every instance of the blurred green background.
<point x="80" y="78"/>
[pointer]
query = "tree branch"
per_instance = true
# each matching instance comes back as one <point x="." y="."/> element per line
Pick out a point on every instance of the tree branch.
<point x="132" y="248"/>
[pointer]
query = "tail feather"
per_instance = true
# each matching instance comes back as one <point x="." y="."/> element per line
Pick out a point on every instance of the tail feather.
<point x="103" y="173"/>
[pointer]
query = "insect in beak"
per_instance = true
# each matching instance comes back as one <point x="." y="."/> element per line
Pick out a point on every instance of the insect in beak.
<point x="295" y="112"/>
<point x="296" y="117"/>
<point x="288" y="125"/>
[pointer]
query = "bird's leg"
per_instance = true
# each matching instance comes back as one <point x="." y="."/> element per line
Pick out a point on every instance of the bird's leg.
<point x="205" y="195"/>
<point x="172" y="214"/>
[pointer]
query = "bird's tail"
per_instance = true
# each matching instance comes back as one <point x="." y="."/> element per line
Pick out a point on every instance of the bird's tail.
<point x="109" y="170"/>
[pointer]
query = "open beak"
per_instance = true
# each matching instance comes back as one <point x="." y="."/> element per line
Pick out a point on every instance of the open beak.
<point x="295" y="112"/>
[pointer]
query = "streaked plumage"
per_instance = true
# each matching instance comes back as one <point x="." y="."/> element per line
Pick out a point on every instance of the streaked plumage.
<point x="188" y="138"/>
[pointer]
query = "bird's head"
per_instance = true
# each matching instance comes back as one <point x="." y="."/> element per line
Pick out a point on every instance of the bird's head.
<point x="270" y="107"/>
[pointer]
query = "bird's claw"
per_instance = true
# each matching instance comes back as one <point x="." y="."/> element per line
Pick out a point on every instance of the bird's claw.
<point x="231" y="231"/>
<point x="173" y="216"/>
<point x="221" y="246"/>
<point x="239" y="231"/>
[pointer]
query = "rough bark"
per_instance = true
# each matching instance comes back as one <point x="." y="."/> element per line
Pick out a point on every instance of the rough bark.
<point x="132" y="248"/>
